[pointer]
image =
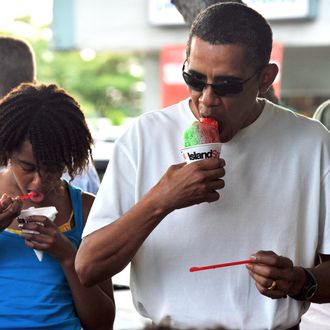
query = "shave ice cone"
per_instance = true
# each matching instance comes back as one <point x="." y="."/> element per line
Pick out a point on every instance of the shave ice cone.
<point x="49" y="212"/>
<point x="201" y="140"/>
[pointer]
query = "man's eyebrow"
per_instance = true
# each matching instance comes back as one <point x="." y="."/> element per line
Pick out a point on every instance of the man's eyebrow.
<point x="216" y="78"/>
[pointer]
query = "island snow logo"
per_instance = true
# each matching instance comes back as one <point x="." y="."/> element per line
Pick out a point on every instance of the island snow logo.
<point x="213" y="153"/>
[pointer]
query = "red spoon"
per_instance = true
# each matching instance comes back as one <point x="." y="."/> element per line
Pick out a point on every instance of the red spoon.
<point x="234" y="263"/>
<point x="29" y="195"/>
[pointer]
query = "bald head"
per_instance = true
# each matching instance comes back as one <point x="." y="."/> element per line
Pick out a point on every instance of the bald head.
<point x="17" y="64"/>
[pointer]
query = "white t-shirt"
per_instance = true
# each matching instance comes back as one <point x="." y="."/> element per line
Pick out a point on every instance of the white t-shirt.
<point x="277" y="187"/>
<point x="88" y="180"/>
<point x="318" y="315"/>
<point x="316" y="318"/>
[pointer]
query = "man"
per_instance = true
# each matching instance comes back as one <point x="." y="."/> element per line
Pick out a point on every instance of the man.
<point x="17" y="65"/>
<point x="276" y="198"/>
<point x="318" y="315"/>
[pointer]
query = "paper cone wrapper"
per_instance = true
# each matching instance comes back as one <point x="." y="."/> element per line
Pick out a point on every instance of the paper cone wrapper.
<point x="49" y="212"/>
<point x="201" y="151"/>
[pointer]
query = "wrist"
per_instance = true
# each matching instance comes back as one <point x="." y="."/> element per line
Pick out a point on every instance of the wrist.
<point x="306" y="287"/>
<point x="68" y="258"/>
<point x="300" y="280"/>
<point x="156" y="206"/>
<point x="67" y="262"/>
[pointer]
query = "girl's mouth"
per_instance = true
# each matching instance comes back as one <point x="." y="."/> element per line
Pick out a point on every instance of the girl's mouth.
<point x="36" y="197"/>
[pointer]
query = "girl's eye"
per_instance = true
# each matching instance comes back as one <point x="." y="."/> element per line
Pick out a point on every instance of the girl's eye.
<point x="28" y="169"/>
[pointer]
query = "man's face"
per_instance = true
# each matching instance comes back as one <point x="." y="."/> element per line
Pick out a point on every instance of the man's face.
<point x="215" y="64"/>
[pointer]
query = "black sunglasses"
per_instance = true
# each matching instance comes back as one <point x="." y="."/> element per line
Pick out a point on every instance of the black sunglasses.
<point x="223" y="88"/>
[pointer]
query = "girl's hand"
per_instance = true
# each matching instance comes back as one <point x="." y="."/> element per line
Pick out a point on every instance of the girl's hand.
<point x="10" y="208"/>
<point x="42" y="234"/>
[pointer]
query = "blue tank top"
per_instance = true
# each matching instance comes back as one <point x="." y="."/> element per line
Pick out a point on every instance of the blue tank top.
<point x="33" y="294"/>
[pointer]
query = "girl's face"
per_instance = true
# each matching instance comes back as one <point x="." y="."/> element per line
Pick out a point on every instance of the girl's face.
<point x="29" y="178"/>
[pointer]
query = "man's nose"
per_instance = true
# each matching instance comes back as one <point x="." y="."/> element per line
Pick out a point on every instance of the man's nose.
<point x="208" y="97"/>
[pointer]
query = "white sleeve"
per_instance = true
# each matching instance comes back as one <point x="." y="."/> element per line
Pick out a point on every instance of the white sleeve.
<point x="324" y="244"/>
<point x="116" y="192"/>
<point x="324" y="247"/>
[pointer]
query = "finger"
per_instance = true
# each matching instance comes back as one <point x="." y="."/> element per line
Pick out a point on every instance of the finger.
<point x="206" y="197"/>
<point x="273" y="293"/>
<point x="41" y="221"/>
<point x="36" y="245"/>
<point x="264" y="270"/>
<point x="39" y="227"/>
<point x="5" y="201"/>
<point x="264" y="285"/>
<point x="36" y="218"/>
<point x="212" y="197"/>
<point x="29" y="234"/>
<point x="177" y="166"/>
<point x="208" y="164"/>
<point x="11" y="208"/>
<point x="37" y="237"/>
<point x="265" y="276"/>
<point x="215" y="185"/>
<point x="215" y="174"/>
<point x="266" y="282"/>
<point x="3" y="197"/>
<point x="272" y="259"/>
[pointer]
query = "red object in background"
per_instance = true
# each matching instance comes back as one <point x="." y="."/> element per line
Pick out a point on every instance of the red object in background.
<point x="277" y="57"/>
<point x="173" y="89"/>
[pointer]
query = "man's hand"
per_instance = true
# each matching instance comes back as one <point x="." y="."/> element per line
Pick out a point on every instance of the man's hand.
<point x="275" y="276"/>
<point x="187" y="184"/>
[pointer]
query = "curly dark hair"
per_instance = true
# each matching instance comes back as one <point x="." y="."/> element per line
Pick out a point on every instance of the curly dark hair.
<point x="52" y="121"/>
<point x="236" y="24"/>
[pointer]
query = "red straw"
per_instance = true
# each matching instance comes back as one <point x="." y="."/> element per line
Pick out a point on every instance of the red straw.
<point x="29" y="195"/>
<point x="234" y="263"/>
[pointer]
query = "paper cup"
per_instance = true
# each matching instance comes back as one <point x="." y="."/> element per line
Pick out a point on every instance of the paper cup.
<point x="49" y="212"/>
<point x="201" y="151"/>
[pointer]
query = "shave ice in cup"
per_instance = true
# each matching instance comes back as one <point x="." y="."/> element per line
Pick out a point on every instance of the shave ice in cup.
<point x="201" y="140"/>
<point x="49" y="212"/>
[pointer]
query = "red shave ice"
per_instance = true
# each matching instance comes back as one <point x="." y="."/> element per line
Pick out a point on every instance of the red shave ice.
<point x="204" y="131"/>
<point x="209" y="130"/>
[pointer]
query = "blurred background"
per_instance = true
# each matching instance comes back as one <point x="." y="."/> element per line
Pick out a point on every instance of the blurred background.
<point x="121" y="58"/>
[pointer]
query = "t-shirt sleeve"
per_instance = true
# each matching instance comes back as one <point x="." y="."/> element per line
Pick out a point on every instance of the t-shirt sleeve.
<point x="324" y="247"/>
<point x="116" y="192"/>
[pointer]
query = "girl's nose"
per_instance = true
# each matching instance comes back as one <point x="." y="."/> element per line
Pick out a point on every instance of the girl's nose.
<point x="37" y="179"/>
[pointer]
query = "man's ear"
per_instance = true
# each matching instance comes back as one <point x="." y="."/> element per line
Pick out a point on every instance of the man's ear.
<point x="267" y="77"/>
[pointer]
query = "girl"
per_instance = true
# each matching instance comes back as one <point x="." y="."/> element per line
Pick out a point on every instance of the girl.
<point x="42" y="134"/>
